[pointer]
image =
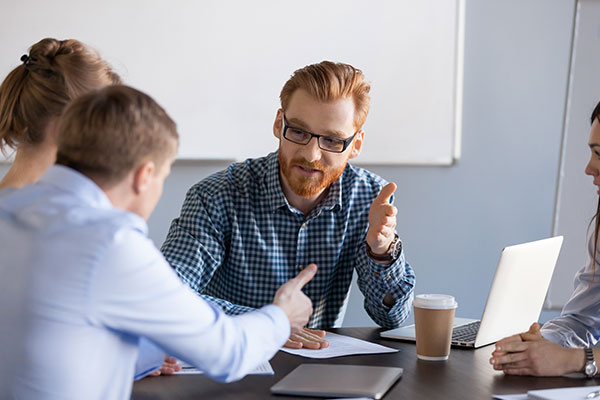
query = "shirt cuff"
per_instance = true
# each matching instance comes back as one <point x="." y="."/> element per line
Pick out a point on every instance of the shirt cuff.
<point x="389" y="276"/>
<point x="150" y="358"/>
<point x="564" y="337"/>
<point x="282" y="323"/>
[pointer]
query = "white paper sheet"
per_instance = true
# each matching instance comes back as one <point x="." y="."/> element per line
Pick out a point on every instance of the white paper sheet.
<point x="262" y="369"/>
<point x="340" y="345"/>
<point x="570" y="393"/>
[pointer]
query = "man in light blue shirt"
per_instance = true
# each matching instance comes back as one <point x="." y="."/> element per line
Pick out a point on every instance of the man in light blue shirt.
<point x="98" y="291"/>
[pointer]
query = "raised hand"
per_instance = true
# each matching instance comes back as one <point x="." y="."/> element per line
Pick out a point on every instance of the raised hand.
<point x="382" y="221"/>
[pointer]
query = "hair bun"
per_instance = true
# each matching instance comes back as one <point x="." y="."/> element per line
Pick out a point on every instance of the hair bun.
<point x="46" y="48"/>
<point x="53" y="73"/>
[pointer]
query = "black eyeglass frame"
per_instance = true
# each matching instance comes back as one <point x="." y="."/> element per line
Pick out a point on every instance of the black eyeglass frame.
<point x="346" y="141"/>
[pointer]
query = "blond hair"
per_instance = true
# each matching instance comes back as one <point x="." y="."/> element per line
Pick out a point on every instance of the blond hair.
<point x="109" y="132"/>
<point x="54" y="73"/>
<point x="328" y="81"/>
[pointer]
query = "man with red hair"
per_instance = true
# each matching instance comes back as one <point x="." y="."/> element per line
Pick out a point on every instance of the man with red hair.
<point x="244" y="231"/>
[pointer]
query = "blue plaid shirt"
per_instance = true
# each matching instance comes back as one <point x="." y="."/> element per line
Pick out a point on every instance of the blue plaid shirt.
<point x="238" y="239"/>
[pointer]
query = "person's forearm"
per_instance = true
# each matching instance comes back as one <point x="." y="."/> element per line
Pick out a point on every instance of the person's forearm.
<point x="387" y="292"/>
<point x="228" y="307"/>
<point x="576" y="360"/>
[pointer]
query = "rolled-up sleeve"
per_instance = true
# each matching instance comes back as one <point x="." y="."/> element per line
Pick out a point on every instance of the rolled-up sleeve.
<point x="579" y="322"/>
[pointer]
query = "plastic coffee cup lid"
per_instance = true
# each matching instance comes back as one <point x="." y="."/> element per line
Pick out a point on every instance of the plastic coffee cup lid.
<point x="435" y="301"/>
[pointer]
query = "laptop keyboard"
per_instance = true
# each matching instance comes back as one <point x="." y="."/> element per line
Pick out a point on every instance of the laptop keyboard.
<point x="465" y="333"/>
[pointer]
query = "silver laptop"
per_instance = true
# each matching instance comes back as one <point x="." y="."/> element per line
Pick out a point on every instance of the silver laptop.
<point x="515" y="299"/>
<point x="336" y="380"/>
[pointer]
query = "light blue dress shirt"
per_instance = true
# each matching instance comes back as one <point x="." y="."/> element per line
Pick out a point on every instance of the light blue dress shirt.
<point x="95" y="286"/>
<point x="579" y="322"/>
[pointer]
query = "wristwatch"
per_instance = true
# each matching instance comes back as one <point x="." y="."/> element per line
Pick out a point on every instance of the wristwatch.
<point x="590" y="370"/>
<point x="392" y="253"/>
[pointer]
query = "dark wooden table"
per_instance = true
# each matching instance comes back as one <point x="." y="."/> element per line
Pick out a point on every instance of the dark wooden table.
<point x="466" y="375"/>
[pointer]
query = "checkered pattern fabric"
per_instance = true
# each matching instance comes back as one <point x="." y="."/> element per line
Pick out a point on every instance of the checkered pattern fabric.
<point x="238" y="239"/>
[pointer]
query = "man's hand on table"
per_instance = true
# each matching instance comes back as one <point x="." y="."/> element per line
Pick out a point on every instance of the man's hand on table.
<point x="307" y="339"/>
<point x="169" y="367"/>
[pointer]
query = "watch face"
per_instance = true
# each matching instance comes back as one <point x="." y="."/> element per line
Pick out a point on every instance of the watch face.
<point x="590" y="369"/>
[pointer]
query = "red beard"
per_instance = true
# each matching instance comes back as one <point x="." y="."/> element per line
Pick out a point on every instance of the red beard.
<point x="305" y="186"/>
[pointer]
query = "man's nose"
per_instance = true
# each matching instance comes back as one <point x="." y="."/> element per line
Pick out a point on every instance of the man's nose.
<point x="313" y="151"/>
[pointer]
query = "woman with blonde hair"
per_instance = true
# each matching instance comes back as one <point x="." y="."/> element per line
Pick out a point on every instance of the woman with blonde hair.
<point x="33" y="97"/>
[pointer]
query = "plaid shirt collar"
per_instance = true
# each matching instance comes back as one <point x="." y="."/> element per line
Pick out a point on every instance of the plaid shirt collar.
<point x="276" y="199"/>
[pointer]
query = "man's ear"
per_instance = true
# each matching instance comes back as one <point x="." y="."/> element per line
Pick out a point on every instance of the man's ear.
<point x="358" y="142"/>
<point x="142" y="177"/>
<point x="278" y="124"/>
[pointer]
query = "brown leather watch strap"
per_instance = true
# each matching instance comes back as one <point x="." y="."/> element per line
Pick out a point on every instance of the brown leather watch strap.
<point x="387" y="257"/>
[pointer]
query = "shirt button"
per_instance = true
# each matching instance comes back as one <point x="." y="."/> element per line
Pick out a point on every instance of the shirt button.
<point x="387" y="278"/>
<point x="304" y="226"/>
<point x="300" y="267"/>
<point x="376" y="274"/>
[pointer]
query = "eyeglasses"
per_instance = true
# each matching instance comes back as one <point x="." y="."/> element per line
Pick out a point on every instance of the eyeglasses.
<point x="327" y="143"/>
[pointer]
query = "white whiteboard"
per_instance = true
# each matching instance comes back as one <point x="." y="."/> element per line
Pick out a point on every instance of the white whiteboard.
<point x="576" y="196"/>
<point x="217" y="66"/>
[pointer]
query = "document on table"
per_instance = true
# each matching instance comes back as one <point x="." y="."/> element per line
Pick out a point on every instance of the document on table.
<point x="262" y="369"/>
<point x="570" y="393"/>
<point x="340" y="345"/>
